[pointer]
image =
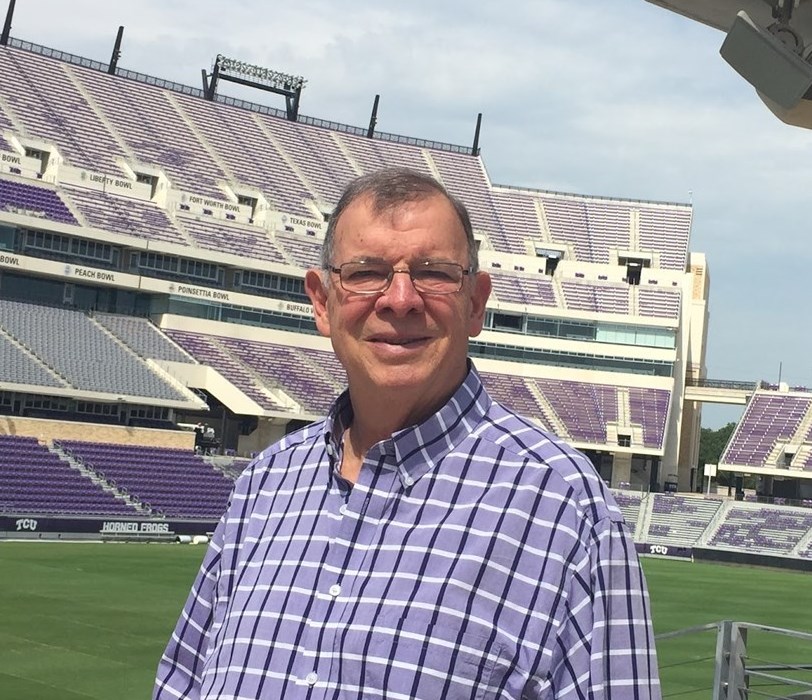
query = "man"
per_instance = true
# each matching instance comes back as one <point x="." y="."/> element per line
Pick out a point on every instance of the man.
<point x="422" y="541"/>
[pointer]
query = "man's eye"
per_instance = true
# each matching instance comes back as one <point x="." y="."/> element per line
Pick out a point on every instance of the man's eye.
<point x="434" y="275"/>
<point x="366" y="275"/>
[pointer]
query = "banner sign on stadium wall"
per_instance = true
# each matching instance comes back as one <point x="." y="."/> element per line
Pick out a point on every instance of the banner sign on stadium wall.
<point x="73" y="273"/>
<point x="150" y="284"/>
<point x="123" y="280"/>
<point x="101" y="182"/>
<point x="17" y="164"/>
<point x="663" y="550"/>
<point x="207" y="206"/>
<point x="85" y="526"/>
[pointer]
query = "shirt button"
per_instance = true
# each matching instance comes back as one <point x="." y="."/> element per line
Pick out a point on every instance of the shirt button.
<point x="408" y="480"/>
<point x="335" y="589"/>
<point x="343" y="509"/>
<point x="311" y="678"/>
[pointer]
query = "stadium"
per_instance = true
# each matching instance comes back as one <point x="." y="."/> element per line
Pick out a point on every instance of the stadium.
<point x="155" y="333"/>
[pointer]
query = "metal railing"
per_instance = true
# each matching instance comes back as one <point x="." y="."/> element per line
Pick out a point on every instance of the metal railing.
<point x="749" y="661"/>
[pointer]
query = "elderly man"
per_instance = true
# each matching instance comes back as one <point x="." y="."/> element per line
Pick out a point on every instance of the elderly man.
<point x="422" y="541"/>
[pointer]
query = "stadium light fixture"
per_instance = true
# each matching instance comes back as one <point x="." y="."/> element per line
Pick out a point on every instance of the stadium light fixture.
<point x="285" y="84"/>
<point x="266" y="76"/>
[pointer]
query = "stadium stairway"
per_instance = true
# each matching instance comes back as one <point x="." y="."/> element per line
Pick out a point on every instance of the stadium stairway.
<point x="556" y="426"/>
<point x="263" y="384"/>
<point x="644" y="518"/>
<point x="140" y="509"/>
<point x="715" y="523"/>
<point x="111" y="130"/>
<point x="801" y="457"/>
<point x="7" y="337"/>
<point x="802" y="546"/>
<point x="289" y="161"/>
<point x="156" y="369"/>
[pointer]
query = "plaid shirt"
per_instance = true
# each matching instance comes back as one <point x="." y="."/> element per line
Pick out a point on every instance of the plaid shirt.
<point x="476" y="557"/>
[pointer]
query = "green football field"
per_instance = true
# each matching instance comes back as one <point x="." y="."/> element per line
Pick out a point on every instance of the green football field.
<point x="82" y="621"/>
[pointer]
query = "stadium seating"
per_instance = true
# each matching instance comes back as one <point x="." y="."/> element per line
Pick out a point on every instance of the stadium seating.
<point x="208" y="350"/>
<point x="649" y="408"/>
<point x="91" y="361"/>
<point x="465" y="178"/>
<point x="767" y="529"/>
<point x="39" y="94"/>
<point x="35" y="480"/>
<point x="223" y="236"/>
<point x="125" y="215"/>
<point x="152" y="130"/>
<point x="142" y="337"/>
<point x="583" y="408"/>
<point x="666" y="230"/>
<point x="629" y="504"/>
<point x="172" y="483"/>
<point x="317" y="153"/>
<point x="680" y="520"/>
<point x="96" y="120"/>
<point x="519" y="220"/>
<point x="770" y="417"/>
<point x="304" y="250"/>
<point x="188" y="148"/>
<point x="284" y="367"/>
<point x="523" y="288"/>
<point x="20" y="367"/>
<point x="661" y="303"/>
<point x="603" y="298"/>
<point x="512" y="391"/>
<point x="695" y="520"/>
<point x="805" y="552"/>
<point x="24" y="198"/>
<point x="590" y="227"/>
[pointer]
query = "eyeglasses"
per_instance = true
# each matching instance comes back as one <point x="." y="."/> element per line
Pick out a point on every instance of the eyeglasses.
<point x="375" y="277"/>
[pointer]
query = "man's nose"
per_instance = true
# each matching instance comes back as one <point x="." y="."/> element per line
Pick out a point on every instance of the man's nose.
<point x="401" y="297"/>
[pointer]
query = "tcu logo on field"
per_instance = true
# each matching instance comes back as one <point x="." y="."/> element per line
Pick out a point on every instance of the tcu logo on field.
<point x="26" y="524"/>
<point x="658" y="549"/>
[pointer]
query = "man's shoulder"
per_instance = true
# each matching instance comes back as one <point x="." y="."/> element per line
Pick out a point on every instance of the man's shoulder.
<point x="543" y="458"/>
<point x="303" y="440"/>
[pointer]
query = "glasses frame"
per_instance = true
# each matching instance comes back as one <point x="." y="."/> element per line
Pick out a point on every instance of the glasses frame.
<point x="464" y="271"/>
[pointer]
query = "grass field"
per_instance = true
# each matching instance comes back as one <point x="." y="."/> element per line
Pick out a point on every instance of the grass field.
<point x="82" y="621"/>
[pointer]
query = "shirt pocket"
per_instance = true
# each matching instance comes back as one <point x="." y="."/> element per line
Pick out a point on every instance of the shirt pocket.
<point x="430" y="662"/>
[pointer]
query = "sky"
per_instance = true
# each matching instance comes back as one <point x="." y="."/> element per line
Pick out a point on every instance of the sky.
<point x="630" y="102"/>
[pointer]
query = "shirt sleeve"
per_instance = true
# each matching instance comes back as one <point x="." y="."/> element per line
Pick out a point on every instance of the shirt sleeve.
<point x="605" y="648"/>
<point x="181" y="666"/>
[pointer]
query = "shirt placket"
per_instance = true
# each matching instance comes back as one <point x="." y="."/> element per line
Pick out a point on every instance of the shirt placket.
<point x="351" y="533"/>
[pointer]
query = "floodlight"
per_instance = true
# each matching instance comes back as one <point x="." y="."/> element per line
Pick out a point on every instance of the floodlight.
<point x="271" y="78"/>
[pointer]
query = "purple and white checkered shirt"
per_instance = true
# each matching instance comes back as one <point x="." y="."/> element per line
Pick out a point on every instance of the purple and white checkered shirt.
<point x="476" y="557"/>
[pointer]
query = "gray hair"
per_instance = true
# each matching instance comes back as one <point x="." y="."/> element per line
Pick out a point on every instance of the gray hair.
<point x="388" y="189"/>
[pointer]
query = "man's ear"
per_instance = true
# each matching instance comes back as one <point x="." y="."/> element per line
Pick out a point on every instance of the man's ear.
<point x="316" y="288"/>
<point x="479" y="300"/>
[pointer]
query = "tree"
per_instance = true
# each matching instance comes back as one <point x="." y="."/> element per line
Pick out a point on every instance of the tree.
<point x="711" y="445"/>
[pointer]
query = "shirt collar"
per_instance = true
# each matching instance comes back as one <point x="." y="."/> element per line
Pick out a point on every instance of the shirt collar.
<point x="417" y="449"/>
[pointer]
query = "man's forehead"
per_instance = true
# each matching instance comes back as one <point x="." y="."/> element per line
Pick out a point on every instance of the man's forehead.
<point x="388" y="210"/>
<point x="366" y="210"/>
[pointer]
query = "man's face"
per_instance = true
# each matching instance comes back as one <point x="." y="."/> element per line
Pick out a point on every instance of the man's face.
<point x="401" y="344"/>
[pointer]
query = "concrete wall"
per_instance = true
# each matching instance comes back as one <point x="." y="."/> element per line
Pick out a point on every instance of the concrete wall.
<point x="46" y="431"/>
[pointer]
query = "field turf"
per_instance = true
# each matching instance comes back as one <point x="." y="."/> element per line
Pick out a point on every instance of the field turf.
<point x="89" y="621"/>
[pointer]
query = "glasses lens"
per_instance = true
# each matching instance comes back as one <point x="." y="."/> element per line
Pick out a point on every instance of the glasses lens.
<point x="437" y="278"/>
<point x="365" y="277"/>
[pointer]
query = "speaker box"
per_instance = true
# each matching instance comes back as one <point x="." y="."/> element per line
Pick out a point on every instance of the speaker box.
<point x="765" y="62"/>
